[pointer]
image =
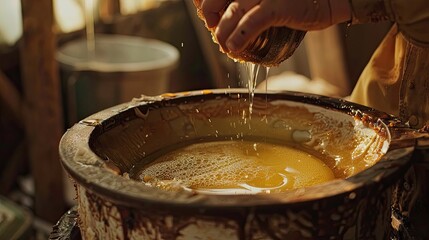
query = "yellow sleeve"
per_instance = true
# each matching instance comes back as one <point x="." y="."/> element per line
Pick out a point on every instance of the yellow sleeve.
<point x="395" y="80"/>
<point x="411" y="16"/>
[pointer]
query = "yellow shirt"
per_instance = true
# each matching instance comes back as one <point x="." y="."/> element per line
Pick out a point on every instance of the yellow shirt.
<point x="396" y="79"/>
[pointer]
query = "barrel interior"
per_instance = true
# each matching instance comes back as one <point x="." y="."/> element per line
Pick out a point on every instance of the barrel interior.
<point x="140" y="134"/>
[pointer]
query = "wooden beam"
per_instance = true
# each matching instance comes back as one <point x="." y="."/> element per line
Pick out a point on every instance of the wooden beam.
<point x="11" y="99"/>
<point x="42" y="96"/>
<point x="109" y="9"/>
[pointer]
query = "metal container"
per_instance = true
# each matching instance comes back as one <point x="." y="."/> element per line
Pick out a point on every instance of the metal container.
<point x="99" y="153"/>
<point x="119" y="69"/>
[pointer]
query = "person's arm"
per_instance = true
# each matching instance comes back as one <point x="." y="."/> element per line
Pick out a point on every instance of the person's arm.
<point x="412" y="16"/>
<point x="239" y="22"/>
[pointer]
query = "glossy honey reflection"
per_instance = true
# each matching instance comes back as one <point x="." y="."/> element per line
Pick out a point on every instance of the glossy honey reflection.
<point x="236" y="167"/>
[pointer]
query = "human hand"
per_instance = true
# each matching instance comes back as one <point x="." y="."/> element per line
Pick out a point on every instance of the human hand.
<point x="239" y="23"/>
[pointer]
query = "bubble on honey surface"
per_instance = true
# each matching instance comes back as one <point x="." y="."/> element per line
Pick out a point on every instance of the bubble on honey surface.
<point x="202" y="166"/>
<point x="234" y="166"/>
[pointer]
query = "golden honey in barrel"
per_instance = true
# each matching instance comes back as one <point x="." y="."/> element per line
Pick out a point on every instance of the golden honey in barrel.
<point x="236" y="167"/>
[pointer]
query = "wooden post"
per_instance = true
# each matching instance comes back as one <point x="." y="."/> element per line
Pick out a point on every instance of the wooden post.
<point x="42" y="99"/>
<point x="109" y="9"/>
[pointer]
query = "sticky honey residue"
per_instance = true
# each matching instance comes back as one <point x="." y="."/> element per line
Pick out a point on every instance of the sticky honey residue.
<point x="236" y="167"/>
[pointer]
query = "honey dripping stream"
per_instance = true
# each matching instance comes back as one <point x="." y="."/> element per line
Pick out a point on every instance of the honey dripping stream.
<point x="253" y="71"/>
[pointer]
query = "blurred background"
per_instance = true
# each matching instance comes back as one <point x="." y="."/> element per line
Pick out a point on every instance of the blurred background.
<point x="62" y="60"/>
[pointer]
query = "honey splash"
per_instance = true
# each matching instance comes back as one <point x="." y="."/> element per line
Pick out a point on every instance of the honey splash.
<point x="235" y="167"/>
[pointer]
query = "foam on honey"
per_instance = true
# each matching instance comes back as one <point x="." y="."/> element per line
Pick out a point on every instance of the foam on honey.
<point x="236" y="167"/>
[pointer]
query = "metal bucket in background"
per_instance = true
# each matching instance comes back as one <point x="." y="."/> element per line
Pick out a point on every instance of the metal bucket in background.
<point x="121" y="68"/>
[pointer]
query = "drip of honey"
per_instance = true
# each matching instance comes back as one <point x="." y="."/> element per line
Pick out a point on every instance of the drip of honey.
<point x="253" y="71"/>
<point x="236" y="167"/>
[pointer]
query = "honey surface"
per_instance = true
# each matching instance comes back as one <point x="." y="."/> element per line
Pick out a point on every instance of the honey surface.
<point x="236" y="167"/>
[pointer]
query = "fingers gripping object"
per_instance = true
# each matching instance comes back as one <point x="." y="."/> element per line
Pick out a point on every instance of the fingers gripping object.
<point x="267" y="32"/>
<point x="270" y="48"/>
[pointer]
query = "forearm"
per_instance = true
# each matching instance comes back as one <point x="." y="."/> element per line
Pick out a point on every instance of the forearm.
<point x="412" y="16"/>
<point x="366" y="11"/>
